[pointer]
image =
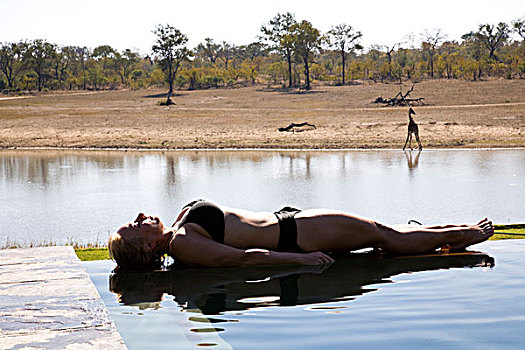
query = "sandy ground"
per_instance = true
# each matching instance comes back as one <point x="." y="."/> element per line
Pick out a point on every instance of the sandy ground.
<point x="457" y="114"/>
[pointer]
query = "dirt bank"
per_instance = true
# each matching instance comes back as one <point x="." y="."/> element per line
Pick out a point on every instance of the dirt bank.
<point x="457" y="114"/>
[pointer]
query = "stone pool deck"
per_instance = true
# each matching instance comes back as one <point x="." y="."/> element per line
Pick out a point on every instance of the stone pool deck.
<point x="47" y="301"/>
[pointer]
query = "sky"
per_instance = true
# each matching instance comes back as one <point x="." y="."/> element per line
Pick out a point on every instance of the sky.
<point x="129" y="24"/>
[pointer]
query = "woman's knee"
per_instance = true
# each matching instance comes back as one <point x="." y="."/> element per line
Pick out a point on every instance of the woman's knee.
<point x="386" y="235"/>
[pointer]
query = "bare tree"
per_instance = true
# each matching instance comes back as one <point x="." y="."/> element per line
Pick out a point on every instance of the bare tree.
<point x="492" y="37"/>
<point x="430" y="41"/>
<point x="519" y="27"/>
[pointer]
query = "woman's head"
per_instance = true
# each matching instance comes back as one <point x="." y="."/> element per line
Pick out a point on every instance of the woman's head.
<point x="138" y="244"/>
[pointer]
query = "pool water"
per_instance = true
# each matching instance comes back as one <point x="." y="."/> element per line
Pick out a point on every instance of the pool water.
<point x="466" y="301"/>
<point x="61" y="196"/>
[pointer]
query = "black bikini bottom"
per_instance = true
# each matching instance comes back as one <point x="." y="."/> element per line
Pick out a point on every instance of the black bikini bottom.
<point x="288" y="230"/>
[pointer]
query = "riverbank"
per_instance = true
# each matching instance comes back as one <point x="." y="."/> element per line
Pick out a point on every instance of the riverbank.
<point x="457" y="114"/>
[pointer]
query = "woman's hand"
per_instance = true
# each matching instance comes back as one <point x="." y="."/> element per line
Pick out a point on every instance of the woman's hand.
<point x="315" y="258"/>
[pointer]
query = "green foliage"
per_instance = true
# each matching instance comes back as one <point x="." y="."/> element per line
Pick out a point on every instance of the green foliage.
<point x="278" y="34"/>
<point x="207" y="51"/>
<point x="40" y="53"/>
<point x="306" y="43"/>
<point x="170" y="49"/>
<point x="492" y="37"/>
<point x="29" y="81"/>
<point x="511" y="231"/>
<point x="212" y="80"/>
<point x="90" y="254"/>
<point x="284" y="54"/>
<point x="343" y="38"/>
<point x="276" y="72"/>
<point x="13" y="61"/>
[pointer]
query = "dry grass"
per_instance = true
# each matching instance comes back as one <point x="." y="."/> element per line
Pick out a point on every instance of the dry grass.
<point x="458" y="114"/>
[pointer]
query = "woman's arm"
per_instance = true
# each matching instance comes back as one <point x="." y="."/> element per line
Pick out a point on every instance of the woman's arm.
<point x="191" y="248"/>
<point x="180" y="217"/>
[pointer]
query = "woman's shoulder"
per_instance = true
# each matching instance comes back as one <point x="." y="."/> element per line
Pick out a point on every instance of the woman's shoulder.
<point x="192" y="203"/>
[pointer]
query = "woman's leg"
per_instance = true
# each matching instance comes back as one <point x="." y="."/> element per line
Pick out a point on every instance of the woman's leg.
<point x="430" y="238"/>
<point x="409" y="227"/>
<point x="326" y="230"/>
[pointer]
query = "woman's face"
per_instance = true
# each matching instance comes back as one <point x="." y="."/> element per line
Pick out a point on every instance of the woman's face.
<point x="149" y="227"/>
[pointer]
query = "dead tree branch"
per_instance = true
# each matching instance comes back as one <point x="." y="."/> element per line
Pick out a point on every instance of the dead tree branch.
<point x="401" y="99"/>
<point x="292" y="127"/>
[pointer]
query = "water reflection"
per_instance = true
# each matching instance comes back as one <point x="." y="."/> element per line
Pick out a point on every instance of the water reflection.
<point x="217" y="290"/>
<point x="73" y="187"/>
<point x="53" y="167"/>
<point x="412" y="163"/>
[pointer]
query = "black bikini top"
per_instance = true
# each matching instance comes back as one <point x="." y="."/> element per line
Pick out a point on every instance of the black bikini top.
<point x="207" y="215"/>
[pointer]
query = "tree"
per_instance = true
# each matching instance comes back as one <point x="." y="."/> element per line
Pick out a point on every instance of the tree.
<point x="491" y="37"/>
<point x="519" y="27"/>
<point x="279" y="32"/>
<point x="12" y="62"/>
<point x="41" y="53"/>
<point x="102" y="52"/>
<point x="343" y="38"/>
<point x="226" y="53"/>
<point x="106" y="61"/>
<point x="429" y="44"/>
<point x="449" y="56"/>
<point x="95" y="74"/>
<point x="82" y="55"/>
<point x="250" y="51"/>
<point x="124" y="64"/>
<point x="472" y="52"/>
<point x="61" y="61"/>
<point x="251" y="55"/>
<point x="395" y="67"/>
<point x="306" y="42"/>
<point x="170" y="49"/>
<point x="208" y="50"/>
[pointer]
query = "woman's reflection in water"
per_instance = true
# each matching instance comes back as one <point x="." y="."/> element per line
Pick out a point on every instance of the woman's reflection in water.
<point x="215" y="290"/>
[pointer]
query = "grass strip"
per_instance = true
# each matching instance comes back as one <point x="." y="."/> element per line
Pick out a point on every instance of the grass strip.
<point x="511" y="231"/>
<point x="91" y="254"/>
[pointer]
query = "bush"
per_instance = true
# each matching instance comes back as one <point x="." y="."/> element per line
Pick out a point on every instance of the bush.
<point x="212" y="80"/>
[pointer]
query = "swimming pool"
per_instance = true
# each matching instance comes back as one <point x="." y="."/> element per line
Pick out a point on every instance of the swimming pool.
<point x="468" y="301"/>
<point x="45" y="193"/>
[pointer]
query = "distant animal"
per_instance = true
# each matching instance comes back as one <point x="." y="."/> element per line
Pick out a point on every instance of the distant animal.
<point x="412" y="129"/>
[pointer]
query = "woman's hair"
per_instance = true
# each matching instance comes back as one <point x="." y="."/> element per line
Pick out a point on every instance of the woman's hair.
<point x="129" y="253"/>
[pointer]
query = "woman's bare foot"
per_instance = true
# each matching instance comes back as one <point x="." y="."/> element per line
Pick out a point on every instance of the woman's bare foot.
<point x="480" y="232"/>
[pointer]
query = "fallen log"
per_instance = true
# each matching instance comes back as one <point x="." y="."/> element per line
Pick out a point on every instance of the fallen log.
<point x="292" y="127"/>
